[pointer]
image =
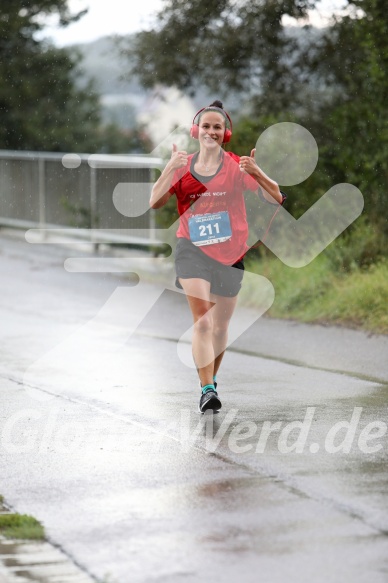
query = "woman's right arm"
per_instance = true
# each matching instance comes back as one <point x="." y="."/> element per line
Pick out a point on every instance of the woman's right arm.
<point x="160" y="190"/>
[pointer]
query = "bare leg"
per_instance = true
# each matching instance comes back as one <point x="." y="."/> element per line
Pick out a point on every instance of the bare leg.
<point x="211" y="316"/>
<point x="222" y="313"/>
<point x="198" y="296"/>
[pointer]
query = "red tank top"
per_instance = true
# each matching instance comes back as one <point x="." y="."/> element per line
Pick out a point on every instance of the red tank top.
<point x="223" y="193"/>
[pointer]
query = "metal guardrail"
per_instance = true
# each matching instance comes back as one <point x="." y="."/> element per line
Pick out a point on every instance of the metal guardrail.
<point x="47" y="190"/>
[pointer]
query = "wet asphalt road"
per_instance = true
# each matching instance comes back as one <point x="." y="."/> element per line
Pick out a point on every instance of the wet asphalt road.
<point x="101" y="441"/>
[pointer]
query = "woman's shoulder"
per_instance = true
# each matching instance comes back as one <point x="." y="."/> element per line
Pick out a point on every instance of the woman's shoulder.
<point x="233" y="156"/>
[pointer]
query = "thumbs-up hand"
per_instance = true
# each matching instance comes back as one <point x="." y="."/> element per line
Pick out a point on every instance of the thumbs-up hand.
<point x="179" y="158"/>
<point x="248" y="163"/>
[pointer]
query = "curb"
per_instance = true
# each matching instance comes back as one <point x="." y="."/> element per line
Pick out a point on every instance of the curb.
<point x="24" y="561"/>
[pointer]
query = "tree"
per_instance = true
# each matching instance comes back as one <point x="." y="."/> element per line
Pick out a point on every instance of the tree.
<point x="333" y="82"/>
<point x="220" y="43"/>
<point x="40" y="107"/>
<point x="356" y="49"/>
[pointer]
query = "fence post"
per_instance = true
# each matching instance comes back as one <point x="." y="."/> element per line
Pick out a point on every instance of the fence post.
<point x="93" y="205"/>
<point x="152" y="211"/>
<point x="42" y="194"/>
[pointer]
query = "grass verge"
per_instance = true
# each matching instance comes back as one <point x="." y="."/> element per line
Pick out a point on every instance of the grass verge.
<point x="316" y="293"/>
<point x="20" y="526"/>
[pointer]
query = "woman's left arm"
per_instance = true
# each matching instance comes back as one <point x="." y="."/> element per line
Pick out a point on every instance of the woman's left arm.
<point x="269" y="187"/>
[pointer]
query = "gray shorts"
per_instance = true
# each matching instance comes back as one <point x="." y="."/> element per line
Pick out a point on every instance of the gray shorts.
<point x="191" y="262"/>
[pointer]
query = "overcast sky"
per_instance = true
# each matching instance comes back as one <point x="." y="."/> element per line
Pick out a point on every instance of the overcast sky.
<point x="104" y="17"/>
<point x="107" y="17"/>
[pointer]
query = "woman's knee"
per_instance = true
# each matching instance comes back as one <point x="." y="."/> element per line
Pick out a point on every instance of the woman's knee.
<point x="204" y="324"/>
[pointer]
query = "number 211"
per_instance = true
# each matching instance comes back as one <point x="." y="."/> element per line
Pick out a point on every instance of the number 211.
<point x="202" y="229"/>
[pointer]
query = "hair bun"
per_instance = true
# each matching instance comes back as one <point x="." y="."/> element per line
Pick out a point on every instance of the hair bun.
<point x="216" y="103"/>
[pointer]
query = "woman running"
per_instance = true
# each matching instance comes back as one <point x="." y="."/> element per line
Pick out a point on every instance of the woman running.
<point x="212" y="235"/>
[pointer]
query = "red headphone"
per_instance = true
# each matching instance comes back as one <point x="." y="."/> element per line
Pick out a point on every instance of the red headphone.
<point x="194" y="131"/>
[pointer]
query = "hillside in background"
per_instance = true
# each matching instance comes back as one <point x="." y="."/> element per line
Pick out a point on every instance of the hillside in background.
<point x="123" y="99"/>
<point x="126" y="103"/>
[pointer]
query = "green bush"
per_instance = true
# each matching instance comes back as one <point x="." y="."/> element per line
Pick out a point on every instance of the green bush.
<point x="359" y="246"/>
<point x="320" y="293"/>
<point x="21" y="526"/>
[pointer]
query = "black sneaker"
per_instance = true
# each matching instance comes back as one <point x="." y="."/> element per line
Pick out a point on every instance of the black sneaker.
<point x="209" y="400"/>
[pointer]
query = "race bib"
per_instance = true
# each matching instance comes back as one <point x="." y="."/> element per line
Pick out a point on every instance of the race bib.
<point x="210" y="228"/>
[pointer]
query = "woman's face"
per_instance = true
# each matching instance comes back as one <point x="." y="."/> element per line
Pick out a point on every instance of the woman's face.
<point x="211" y="129"/>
